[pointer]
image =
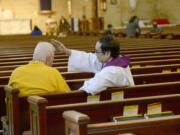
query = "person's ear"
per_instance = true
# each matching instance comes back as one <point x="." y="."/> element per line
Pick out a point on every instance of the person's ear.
<point x="108" y="54"/>
<point x="49" y="60"/>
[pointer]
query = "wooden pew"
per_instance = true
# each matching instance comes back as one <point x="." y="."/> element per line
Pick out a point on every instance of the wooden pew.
<point x="77" y="123"/>
<point x="175" y="48"/>
<point x="63" y="58"/>
<point x="134" y="71"/>
<point x="155" y="69"/>
<point x="19" y="107"/>
<point x="155" y="62"/>
<point x="58" y="61"/>
<point x="125" y="43"/>
<point x="47" y="119"/>
<point x="134" y="48"/>
<point x="2" y="103"/>
<point x="76" y="84"/>
<point x="57" y="55"/>
<point x="13" y="65"/>
<point x="16" y="56"/>
<point x="138" y="79"/>
<point x="70" y="41"/>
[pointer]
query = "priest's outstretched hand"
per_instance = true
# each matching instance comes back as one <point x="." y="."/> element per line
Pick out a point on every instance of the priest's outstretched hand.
<point x="60" y="46"/>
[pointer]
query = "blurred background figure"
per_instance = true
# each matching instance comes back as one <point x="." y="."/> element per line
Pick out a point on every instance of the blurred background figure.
<point x="109" y="31"/>
<point x="64" y="26"/>
<point x="133" y="29"/>
<point x="51" y="26"/>
<point x="36" y="31"/>
<point x="84" y="24"/>
<point x="156" y="29"/>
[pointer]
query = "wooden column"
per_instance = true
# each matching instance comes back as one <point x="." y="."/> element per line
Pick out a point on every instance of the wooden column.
<point x="97" y="23"/>
<point x="94" y="9"/>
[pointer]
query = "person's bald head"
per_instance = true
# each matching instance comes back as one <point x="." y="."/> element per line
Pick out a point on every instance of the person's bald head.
<point x="44" y="52"/>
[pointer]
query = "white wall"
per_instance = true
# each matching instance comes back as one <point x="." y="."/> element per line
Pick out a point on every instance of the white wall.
<point x="115" y="14"/>
<point x="30" y="9"/>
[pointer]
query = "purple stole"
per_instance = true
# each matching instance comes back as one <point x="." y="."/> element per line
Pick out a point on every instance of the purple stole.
<point x="120" y="61"/>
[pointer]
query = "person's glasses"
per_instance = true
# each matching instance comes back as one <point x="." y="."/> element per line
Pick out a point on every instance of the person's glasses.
<point x="98" y="51"/>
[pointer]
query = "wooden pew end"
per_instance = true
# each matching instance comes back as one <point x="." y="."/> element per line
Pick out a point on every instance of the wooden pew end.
<point x="37" y="109"/>
<point x="126" y="134"/>
<point x="75" y="120"/>
<point x="4" y="121"/>
<point x="76" y="117"/>
<point x="9" y="89"/>
<point x="27" y="133"/>
<point x="37" y="100"/>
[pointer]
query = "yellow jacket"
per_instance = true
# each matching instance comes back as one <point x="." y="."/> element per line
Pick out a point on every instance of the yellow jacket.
<point x="37" y="78"/>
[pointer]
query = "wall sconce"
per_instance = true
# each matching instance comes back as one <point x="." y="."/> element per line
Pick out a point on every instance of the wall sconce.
<point x="132" y="4"/>
<point x="103" y="5"/>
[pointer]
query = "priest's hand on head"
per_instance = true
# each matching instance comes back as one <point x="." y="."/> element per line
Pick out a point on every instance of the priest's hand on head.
<point x="60" y="46"/>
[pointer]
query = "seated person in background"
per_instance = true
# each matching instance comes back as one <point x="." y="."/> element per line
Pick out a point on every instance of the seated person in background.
<point x="63" y="26"/>
<point x="36" y="31"/>
<point x="156" y="29"/>
<point x="111" y="68"/>
<point x="133" y="29"/>
<point x="38" y="76"/>
<point x="155" y="32"/>
<point x="109" y="31"/>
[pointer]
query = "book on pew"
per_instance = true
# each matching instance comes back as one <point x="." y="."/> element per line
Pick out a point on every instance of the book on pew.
<point x="162" y="114"/>
<point x="125" y="118"/>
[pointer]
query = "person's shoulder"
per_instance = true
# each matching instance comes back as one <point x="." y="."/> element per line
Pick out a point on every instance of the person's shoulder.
<point x="111" y="72"/>
<point x="20" y="68"/>
<point x="52" y="70"/>
<point x="112" y="69"/>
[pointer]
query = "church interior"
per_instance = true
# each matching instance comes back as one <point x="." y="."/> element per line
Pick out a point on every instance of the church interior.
<point x="133" y="91"/>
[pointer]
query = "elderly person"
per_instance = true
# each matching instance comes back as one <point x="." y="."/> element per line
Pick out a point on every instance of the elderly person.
<point x="38" y="76"/>
<point x="111" y="68"/>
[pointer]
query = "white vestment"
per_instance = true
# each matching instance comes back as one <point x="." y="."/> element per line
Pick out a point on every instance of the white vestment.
<point x="110" y="76"/>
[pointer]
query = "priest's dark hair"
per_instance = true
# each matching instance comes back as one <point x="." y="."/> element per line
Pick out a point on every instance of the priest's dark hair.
<point x="109" y="43"/>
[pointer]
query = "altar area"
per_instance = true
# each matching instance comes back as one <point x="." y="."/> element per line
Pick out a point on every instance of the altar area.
<point x="10" y="25"/>
<point x="15" y="26"/>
